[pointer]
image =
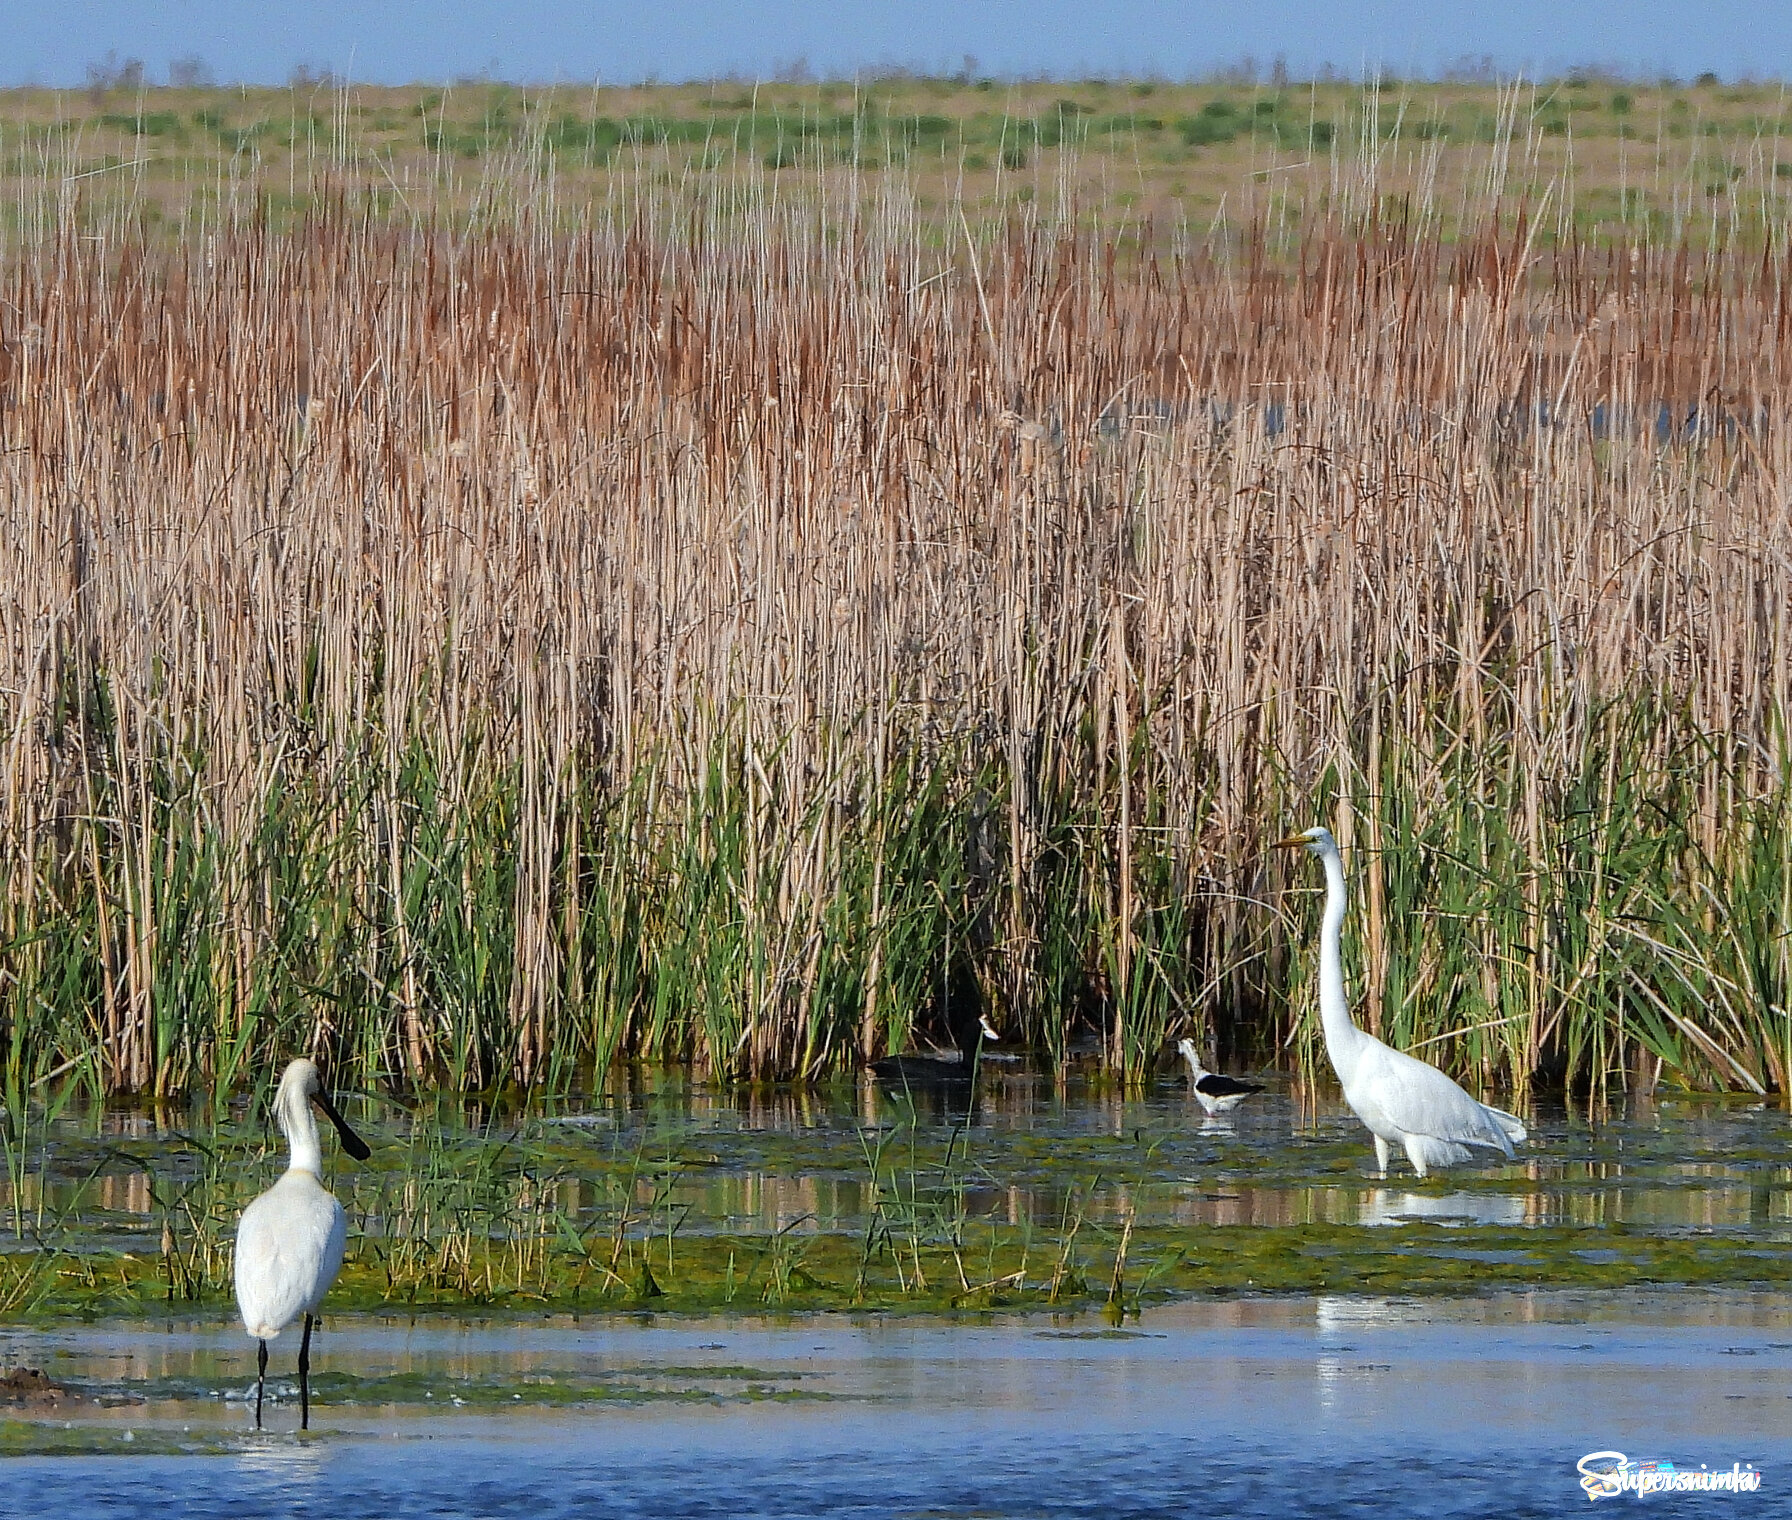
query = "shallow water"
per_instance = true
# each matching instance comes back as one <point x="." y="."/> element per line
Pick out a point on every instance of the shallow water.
<point x="1281" y="1406"/>
<point x="799" y="1161"/>
<point x="1306" y="1406"/>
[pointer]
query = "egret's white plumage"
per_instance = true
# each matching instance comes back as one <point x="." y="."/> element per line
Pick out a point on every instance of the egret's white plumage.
<point x="290" y="1240"/>
<point x="1215" y="1093"/>
<point x="1402" y="1100"/>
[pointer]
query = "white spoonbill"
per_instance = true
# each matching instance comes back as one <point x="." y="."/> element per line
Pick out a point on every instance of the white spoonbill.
<point x="1217" y="1094"/>
<point x="1403" y="1100"/>
<point x="289" y="1243"/>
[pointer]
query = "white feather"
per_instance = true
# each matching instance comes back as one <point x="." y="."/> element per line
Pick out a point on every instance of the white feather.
<point x="288" y="1251"/>
<point x="1214" y="1103"/>
<point x="1404" y="1101"/>
<point x="289" y="1243"/>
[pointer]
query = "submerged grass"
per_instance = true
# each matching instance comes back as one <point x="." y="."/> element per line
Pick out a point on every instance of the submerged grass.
<point x="986" y="1266"/>
<point x="530" y="1216"/>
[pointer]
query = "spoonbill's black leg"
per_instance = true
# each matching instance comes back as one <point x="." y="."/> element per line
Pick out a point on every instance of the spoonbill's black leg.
<point x="305" y="1376"/>
<point x="261" y="1377"/>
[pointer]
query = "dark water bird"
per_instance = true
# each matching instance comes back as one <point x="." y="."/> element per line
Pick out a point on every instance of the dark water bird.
<point x="290" y="1241"/>
<point x="958" y="1064"/>
<point x="1404" y="1101"/>
<point x="1217" y="1094"/>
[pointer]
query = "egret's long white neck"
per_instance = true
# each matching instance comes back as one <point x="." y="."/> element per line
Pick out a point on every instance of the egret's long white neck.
<point x="292" y="1110"/>
<point x="1343" y="1040"/>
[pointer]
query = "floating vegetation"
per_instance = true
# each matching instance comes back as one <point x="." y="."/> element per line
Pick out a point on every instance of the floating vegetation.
<point x="1031" y="1207"/>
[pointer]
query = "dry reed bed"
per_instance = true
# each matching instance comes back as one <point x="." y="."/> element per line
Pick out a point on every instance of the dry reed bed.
<point x="489" y="652"/>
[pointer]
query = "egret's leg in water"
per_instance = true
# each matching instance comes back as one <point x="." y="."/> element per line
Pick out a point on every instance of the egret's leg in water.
<point x="305" y="1376"/>
<point x="1416" y="1156"/>
<point x="261" y="1377"/>
<point x="1383" y="1151"/>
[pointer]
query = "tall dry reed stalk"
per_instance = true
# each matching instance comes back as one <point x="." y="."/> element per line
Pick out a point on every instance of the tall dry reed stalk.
<point x="739" y="623"/>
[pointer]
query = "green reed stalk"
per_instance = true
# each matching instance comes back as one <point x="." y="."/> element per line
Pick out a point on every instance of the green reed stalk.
<point x="484" y="648"/>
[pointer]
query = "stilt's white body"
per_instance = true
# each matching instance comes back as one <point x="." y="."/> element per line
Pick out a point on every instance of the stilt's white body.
<point x="290" y="1241"/>
<point x="1216" y="1094"/>
<point x="1403" y="1101"/>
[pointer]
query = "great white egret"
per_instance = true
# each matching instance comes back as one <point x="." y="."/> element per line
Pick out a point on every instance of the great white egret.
<point x="1217" y="1094"/>
<point x="289" y="1242"/>
<point x="1403" y="1100"/>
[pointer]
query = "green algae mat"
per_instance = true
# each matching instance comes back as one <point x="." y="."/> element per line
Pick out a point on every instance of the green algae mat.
<point x="1032" y="1194"/>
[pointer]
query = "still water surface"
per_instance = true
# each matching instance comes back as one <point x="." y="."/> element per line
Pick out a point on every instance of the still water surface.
<point x="1327" y="1406"/>
<point x="1296" y="1406"/>
<point x="800" y="1160"/>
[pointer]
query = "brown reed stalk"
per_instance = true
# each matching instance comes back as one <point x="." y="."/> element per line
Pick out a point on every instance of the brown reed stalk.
<point x="1178" y="539"/>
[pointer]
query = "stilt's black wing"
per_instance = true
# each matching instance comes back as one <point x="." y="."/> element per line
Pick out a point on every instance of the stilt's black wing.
<point x="1226" y="1087"/>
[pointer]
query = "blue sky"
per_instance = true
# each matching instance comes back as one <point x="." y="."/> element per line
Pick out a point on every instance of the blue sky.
<point x="397" y="41"/>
